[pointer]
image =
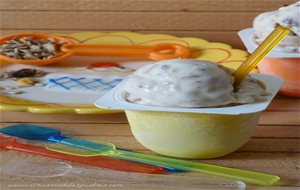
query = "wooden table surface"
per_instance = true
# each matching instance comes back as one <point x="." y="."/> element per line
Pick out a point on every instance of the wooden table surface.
<point x="274" y="148"/>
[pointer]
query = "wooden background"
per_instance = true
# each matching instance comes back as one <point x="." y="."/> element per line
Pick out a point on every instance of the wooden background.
<point x="214" y="20"/>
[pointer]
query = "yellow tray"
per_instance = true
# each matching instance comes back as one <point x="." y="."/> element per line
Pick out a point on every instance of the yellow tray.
<point x="202" y="50"/>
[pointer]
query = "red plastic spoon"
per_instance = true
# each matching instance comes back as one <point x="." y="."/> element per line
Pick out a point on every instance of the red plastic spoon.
<point x="10" y="143"/>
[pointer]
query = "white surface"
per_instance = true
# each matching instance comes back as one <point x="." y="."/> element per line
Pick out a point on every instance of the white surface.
<point x="115" y="100"/>
<point x="43" y="94"/>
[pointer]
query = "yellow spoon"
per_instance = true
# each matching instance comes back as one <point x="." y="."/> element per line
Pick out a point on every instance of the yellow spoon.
<point x="263" y="49"/>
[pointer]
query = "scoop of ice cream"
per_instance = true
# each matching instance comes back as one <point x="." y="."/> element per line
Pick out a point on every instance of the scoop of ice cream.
<point x="188" y="83"/>
<point x="289" y="17"/>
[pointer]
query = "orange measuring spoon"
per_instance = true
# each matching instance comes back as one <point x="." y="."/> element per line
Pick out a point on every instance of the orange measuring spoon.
<point x="156" y="52"/>
<point x="10" y="143"/>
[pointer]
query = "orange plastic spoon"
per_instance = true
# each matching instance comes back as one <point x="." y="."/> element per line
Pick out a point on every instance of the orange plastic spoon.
<point x="10" y="143"/>
<point x="156" y="52"/>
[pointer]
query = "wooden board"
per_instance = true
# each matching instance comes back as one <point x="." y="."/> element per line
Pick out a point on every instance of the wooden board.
<point x="216" y="20"/>
<point x="127" y="20"/>
<point x="144" y="5"/>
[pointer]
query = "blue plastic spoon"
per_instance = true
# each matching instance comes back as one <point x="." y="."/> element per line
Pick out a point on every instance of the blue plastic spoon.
<point x="34" y="132"/>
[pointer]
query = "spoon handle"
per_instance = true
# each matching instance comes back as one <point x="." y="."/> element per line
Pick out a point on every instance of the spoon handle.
<point x="263" y="49"/>
<point x="233" y="173"/>
<point x="152" y="52"/>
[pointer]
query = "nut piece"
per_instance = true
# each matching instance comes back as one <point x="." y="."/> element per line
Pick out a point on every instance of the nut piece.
<point x="49" y="48"/>
<point x="31" y="49"/>
<point x="23" y="73"/>
<point x="24" y="82"/>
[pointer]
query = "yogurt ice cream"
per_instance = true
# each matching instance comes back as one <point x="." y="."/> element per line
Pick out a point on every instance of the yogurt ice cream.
<point x="190" y="132"/>
<point x="289" y="17"/>
<point x="189" y="83"/>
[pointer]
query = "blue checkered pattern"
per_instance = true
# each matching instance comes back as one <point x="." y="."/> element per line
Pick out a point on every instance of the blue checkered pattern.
<point x="83" y="83"/>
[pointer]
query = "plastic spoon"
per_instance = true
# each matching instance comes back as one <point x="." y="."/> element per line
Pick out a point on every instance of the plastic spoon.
<point x="32" y="169"/>
<point x="69" y="48"/>
<point x="237" y="174"/>
<point x="11" y="143"/>
<point x="263" y="49"/>
<point x="34" y="132"/>
<point x="88" y="149"/>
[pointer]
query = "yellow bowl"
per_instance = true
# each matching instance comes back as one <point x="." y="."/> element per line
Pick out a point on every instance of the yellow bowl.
<point x="192" y="135"/>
